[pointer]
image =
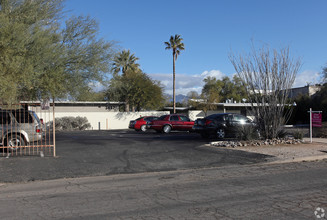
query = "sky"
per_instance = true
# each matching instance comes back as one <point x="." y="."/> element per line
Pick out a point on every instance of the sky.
<point x="211" y="31"/>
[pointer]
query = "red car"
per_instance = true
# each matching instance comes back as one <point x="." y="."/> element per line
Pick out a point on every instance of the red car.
<point x="139" y="124"/>
<point x="167" y="123"/>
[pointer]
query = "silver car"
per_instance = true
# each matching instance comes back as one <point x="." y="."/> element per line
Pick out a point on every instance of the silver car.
<point x="19" y="128"/>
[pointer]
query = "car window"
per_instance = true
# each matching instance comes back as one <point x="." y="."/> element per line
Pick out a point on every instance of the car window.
<point x="218" y="117"/>
<point x="37" y="118"/>
<point x="149" y="119"/>
<point x="162" y="117"/>
<point x="22" y="116"/>
<point x="4" y="118"/>
<point x="240" y="118"/>
<point x="184" y="118"/>
<point x="174" y="118"/>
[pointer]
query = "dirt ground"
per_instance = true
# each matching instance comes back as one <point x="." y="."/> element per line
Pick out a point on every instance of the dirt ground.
<point x="291" y="152"/>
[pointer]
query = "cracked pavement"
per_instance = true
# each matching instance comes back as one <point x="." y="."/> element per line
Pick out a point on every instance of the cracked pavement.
<point x="100" y="153"/>
<point x="275" y="191"/>
<point x="117" y="175"/>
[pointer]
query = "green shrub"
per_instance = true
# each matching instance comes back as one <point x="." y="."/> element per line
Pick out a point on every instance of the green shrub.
<point x="72" y="123"/>
<point x="282" y="133"/>
<point x="298" y="134"/>
<point x="248" y="133"/>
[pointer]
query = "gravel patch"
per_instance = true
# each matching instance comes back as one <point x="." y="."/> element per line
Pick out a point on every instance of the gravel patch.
<point x="284" y="151"/>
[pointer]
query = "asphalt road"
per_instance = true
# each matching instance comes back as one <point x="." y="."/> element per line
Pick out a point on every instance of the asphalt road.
<point x="256" y="191"/>
<point x="101" y="153"/>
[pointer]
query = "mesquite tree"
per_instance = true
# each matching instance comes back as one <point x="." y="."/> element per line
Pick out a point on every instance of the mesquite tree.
<point x="268" y="76"/>
<point x="45" y="55"/>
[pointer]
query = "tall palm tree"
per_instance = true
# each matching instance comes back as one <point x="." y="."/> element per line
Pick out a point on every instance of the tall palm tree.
<point x="124" y="62"/>
<point x="175" y="43"/>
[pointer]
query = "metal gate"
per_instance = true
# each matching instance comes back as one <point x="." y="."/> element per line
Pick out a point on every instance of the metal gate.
<point x="27" y="129"/>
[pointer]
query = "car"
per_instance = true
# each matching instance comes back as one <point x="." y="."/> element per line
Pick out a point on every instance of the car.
<point x="19" y="127"/>
<point x="167" y="123"/>
<point x="140" y="124"/>
<point x="222" y="125"/>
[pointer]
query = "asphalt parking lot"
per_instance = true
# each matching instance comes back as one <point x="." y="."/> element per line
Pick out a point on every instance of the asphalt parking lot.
<point x="98" y="153"/>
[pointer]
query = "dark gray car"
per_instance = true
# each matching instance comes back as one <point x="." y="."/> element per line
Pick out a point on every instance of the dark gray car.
<point x="222" y="125"/>
<point x="19" y="128"/>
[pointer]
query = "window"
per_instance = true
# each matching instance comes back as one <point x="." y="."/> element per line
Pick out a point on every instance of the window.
<point x="22" y="116"/>
<point x="149" y="119"/>
<point x="162" y="117"/>
<point x="218" y="117"/>
<point x="4" y="118"/>
<point x="174" y="118"/>
<point x="240" y="118"/>
<point x="184" y="118"/>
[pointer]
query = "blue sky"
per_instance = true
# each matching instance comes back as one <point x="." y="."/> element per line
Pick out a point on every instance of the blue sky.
<point x="211" y="29"/>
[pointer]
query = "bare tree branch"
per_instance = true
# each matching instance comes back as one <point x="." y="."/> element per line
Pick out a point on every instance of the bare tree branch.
<point x="268" y="76"/>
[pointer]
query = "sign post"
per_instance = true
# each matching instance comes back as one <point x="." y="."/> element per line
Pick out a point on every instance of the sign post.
<point x="315" y="120"/>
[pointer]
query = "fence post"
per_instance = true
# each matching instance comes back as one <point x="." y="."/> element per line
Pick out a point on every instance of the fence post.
<point x="54" y="128"/>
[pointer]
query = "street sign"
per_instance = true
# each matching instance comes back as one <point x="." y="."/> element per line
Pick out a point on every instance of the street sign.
<point x="316" y="119"/>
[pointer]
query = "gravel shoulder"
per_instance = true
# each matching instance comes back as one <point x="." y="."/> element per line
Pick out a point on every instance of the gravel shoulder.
<point x="291" y="153"/>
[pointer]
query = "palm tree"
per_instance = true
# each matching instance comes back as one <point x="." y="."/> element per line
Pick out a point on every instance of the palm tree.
<point x="175" y="43"/>
<point x="124" y="62"/>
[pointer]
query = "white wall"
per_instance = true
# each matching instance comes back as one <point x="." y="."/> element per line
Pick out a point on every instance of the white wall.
<point x="104" y="120"/>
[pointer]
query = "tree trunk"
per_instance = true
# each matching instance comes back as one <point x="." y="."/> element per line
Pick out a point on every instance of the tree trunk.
<point x="127" y="105"/>
<point x="174" y="96"/>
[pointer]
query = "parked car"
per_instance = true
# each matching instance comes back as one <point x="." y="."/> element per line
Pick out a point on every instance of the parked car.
<point x="140" y="124"/>
<point x="222" y="125"/>
<point x="167" y="123"/>
<point x="19" y="128"/>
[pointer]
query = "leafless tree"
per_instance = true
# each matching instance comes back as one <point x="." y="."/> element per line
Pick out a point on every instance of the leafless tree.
<point x="268" y="76"/>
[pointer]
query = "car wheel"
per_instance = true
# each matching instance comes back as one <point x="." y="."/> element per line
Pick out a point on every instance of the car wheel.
<point x="143" y="128"/>
<point x="14" y="142"/>
<point x="166" y="129"/>
<point x="220" y="133"/>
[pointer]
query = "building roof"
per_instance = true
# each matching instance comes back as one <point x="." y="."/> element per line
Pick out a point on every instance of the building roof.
<point x="77" y="103"/>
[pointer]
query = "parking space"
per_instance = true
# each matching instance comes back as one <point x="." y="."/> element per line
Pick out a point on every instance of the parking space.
<point x="95" y="153"/>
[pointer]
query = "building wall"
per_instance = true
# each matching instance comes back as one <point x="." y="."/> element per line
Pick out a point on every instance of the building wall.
<point x="306" y="90"/>
<point x="100" y="120"/>
<point x="109" y="120"/>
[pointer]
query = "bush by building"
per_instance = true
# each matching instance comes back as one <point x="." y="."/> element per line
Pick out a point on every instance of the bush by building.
<point x="72" y="124"/>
